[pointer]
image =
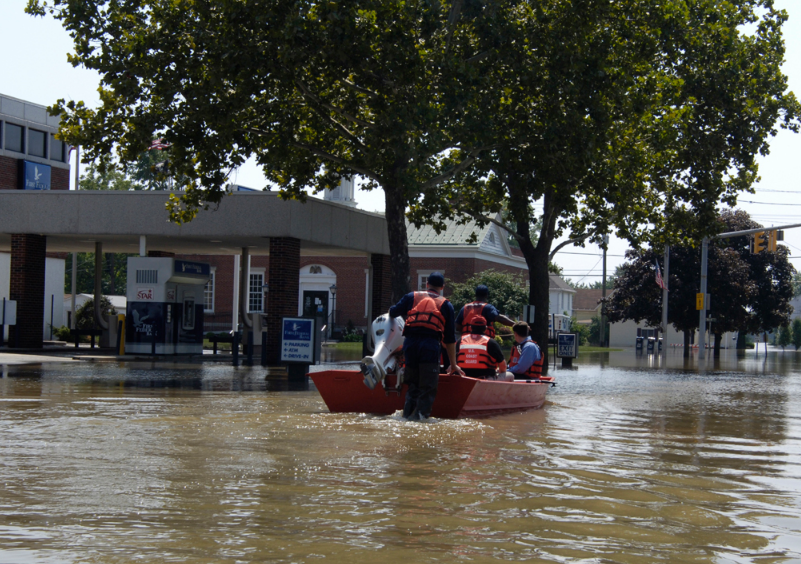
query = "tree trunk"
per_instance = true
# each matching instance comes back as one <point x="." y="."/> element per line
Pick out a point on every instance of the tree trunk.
<point x="395" y="214"/>
<point x="741" y="340"/>
<point x="686" y="344"/>
<point x="537" y="262"/>
<point x="718" y="339"/>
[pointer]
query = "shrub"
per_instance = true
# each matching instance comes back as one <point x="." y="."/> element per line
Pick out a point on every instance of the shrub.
<point x="62" y="333"/>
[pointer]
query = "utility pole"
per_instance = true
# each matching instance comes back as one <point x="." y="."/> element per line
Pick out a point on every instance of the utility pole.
<point x="603" y="295"/>
<point x="665" y="278"/>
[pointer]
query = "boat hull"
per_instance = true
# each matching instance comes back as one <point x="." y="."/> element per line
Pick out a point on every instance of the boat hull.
<point x="457" y="396"/>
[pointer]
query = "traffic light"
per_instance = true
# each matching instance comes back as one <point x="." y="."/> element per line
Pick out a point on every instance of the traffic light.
<point x="772" y="241"/>
<point x="759" y="242"/>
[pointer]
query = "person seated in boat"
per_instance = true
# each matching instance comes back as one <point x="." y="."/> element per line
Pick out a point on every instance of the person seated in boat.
<point x="429" y="321"/>
<point x="481" y="307"/>
<point x="526" y="359"/>
<point x="478" y="355"/>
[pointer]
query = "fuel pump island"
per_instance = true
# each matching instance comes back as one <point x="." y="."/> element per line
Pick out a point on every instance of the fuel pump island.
<point x="165" y="306"/>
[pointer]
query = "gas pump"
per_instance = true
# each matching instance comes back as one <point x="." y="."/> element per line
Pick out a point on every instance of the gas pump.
<point x="165" y="305"/>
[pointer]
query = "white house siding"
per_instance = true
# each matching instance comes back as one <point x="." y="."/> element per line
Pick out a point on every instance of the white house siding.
<point x="624" y="334"/>
<point x="493" y="242"/>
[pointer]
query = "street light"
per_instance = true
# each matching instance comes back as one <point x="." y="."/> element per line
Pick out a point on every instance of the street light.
<point x="333" y="290"/>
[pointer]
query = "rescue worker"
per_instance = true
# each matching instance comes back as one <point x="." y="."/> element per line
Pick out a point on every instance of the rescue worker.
<point x="478" y="355"/>
<point x="486" y="310"/>
<point x="526" y="359"/>
<point x="429" y="321"/>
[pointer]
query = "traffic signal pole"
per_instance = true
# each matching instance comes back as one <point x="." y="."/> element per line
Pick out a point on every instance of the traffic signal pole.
<point x="704" y="253"/>
<point x="702" y="320"/>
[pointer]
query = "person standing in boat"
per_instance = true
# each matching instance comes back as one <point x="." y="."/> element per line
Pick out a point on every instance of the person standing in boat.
<point x="526" y="359"/>
<point x="430" y="319"/>
<point x="481" y="307"/>
<point x="480" y="356"/>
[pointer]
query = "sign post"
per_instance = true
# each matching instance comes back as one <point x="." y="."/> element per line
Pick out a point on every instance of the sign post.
<point x="297" y="346"/>
<point x="567" y="345"/>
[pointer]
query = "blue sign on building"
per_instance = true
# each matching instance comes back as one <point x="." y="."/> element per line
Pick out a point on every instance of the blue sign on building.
<point x="297" y="340"/>
<point x="35" y="176"/>
<point x="189" y="267"/>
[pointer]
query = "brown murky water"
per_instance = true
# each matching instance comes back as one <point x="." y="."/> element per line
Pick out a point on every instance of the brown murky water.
<point x="628" y="462"/>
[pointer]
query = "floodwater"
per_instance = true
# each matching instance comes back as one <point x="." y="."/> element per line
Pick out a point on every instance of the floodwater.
<point x="629" y="461"/>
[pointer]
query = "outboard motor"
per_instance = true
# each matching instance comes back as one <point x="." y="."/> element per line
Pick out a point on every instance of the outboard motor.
<point x="387" y="336"/>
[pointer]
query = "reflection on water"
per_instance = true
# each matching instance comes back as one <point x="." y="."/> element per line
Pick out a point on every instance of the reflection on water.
<point x="630" y="461"/>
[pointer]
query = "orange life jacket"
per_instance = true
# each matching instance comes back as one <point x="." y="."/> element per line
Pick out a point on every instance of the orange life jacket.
<point x="473" y="353"/>
<point x="535" y="370"/>
<point x="472" y="310"/>
<point x="425" y="312"/>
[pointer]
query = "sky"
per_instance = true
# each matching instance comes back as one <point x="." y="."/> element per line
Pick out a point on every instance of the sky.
<point x="34" y="67"/>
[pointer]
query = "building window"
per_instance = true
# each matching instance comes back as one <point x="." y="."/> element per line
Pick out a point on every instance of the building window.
<point x="208" y="295"/>
<point x="56" y="149"/>
<point x="492" y="238"/>
<point x="13" y="138"/>
<point x="422" y="277"/>
<point x="36" y="143"/>
<point x="256" y="294"/>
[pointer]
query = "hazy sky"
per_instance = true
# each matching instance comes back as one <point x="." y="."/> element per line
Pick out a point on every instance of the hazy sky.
<point x="34" y="67"/>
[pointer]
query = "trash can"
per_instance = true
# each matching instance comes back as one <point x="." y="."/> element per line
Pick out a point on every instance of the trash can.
<point x="639" y="343"/>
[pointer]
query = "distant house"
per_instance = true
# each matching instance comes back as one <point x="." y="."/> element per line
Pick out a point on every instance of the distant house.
<point x="587" y="304"/>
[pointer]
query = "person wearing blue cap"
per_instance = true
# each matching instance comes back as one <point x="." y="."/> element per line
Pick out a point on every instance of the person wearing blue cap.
<point x="481" y="307"/>
<point x="430" y="320"/>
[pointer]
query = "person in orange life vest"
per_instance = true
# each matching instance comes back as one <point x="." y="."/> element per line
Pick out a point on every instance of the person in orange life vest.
<point x="429" y="321"/>
<point x="479" y="355"/>
<point x="484" y="309"/>
<point x="526" y="359"/>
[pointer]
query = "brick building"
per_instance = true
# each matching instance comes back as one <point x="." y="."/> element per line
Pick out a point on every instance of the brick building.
<point x="31" y="158"/>
<point x="338" y="286"/>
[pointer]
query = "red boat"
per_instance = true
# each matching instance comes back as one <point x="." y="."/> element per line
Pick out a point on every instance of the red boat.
<point x="457" y="396"/>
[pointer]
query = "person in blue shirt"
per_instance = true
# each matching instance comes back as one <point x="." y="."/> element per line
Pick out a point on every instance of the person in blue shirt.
<point x="526" y="359"/>
<point x="429" y="322"/>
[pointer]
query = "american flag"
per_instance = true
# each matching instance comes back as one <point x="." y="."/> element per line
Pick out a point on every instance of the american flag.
<point x="659" y="281"/>
<point x="158" y="145"/>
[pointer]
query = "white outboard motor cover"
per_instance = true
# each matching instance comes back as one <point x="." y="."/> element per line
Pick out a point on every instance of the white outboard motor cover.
<point x="387" y="336"/>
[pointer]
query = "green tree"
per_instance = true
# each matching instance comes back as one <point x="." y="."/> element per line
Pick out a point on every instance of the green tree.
<point x="796" y="333"/>
<point x="638" y="117"/>
<point x="594" y="336"/>
<point x="507" y="292"/>
<point x="109" y="178"/>
<point x="114" y="280"/>
<point x="85" y="316"/>
<point x="749" y="292"/>
<point x="314" y="90"/>
<point x="785" y="336"/>
<point x="796" y="284"/>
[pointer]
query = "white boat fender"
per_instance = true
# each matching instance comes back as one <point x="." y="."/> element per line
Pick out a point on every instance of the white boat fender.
<point x="388" y="338"/>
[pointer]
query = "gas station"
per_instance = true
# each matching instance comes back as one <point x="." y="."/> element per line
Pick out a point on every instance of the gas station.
<point x="165" y="293"/>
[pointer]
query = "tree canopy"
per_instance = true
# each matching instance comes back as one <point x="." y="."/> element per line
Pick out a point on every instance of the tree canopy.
<point x="315" y="91"/>
<point x="633" y="116"/>
<point x="507" y="292"/>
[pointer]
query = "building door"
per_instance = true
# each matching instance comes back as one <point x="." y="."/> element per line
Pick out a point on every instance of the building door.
<point x="315" y="303"/>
